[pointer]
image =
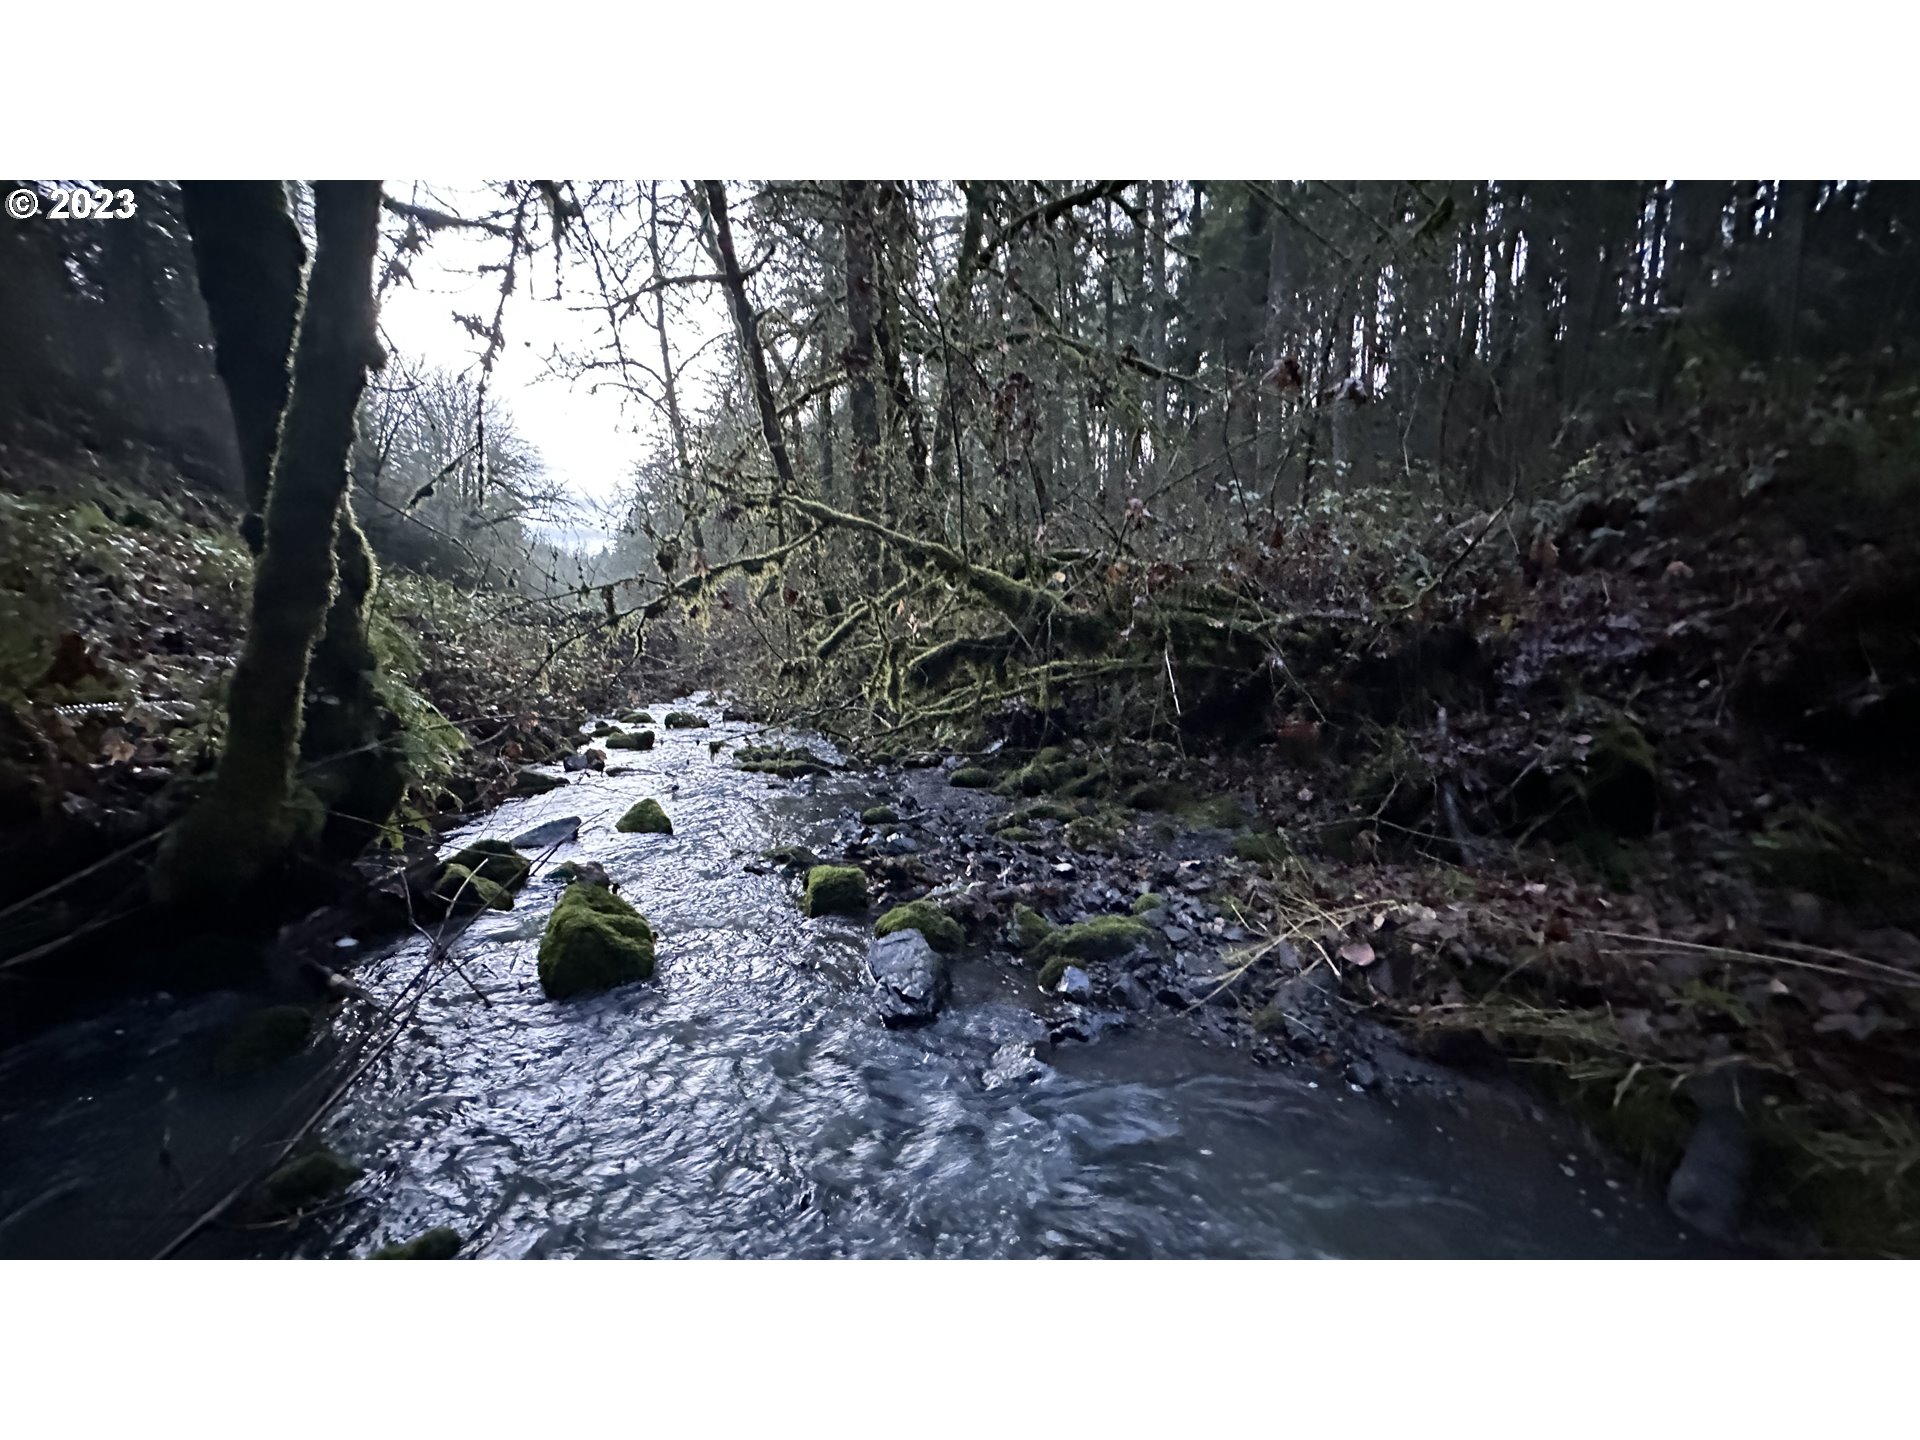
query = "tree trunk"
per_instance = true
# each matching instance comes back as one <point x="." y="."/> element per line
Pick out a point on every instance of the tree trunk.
<point x="863" y="409"/>
<point x="749" y="332"/>
<point x="247" y="822"/>
<point x="250" y="259"/>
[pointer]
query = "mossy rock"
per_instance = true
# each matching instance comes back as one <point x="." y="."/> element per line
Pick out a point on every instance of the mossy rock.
<point x="685" y="720"/>
<point x="603" y="728"/>
<point x="1157" y="795"/>
<point x="1052" y="755"/>
<point x="1092" y="781"/>
<point x="1030" y="927"/>
<point x="1043" y="810"/>
<point x="594" y="940"/>
<point x="1055" y="970"/>
<point x="1222" y="812"/>
<point x="943" y="932"/>
<point x="645" y="818"/>
<point x="835" y="890"/>
<point x="1102" y="938"/>
<point x="1016" y="834"/>
<point x="782" y="760"/>
<point x="311" y="1180"/>
<point x="264" y="1039"/>
<point x="1037" y="779"/>
<point x="532" y="782"/>
<point x="440" y="1243"/>
<point x="1092" y="832"/>
<point x="636" y="717"/>
<point x="638" y="740"/>
<point x="1149" y="901"/>
<point x="971" y="777"/>
<point x="460" y="889"/>
<point x="1621" y="786"/>
<point x="1264" y="849"/>
<point x="879" y="815"/>
<point x="791" y="857"/>
<point x="494" y="860"/>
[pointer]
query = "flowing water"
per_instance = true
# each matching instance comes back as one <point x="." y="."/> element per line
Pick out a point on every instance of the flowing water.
<point x="746" y="1103"/>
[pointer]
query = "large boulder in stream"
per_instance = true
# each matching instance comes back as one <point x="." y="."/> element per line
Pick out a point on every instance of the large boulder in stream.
<point x="646" y="818"/>
<point x="910" y="977"/>
<point x="594" y="940"/>
<point x="553" y="832"/>
<point x="835" y="890"/>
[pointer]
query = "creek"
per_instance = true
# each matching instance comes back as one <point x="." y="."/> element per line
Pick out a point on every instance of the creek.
<point x="746" y="1102"/>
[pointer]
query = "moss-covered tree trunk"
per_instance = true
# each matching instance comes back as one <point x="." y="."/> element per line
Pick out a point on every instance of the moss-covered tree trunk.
<point x="248" y="821"/>
<point x="252" y="261"/>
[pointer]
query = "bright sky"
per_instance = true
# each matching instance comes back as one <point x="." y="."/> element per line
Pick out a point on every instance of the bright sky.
<point x="590" y="441"/>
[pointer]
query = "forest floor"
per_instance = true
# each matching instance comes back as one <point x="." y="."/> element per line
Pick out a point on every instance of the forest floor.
<point x="1623" y="802"/>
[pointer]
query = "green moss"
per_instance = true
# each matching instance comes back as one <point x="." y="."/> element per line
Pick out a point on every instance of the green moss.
<point x="311" y="1180"/>
<point x="645" y="818"/>
<point x="1812" y="850"/>
<point x="1092" y="781"/>
<point x="495" y="860"/>
<point x="1030" y="927"/>
<point x="1054" y="971"/>
<point x="1157" y="795"/>
<point x="641" y="740"/>
<point x="781" y="760"/>
<point x="1620" y="786"/>
<point x="791" y="857"/>
<point x="1052" y="755"/>
<point x="440" y="1243"/>
<point x="943" y="932"/>
<point x="603" y="728"/>
<point x="835" y="890"/>
<point x="685" y="720"/>
<point x="1043" y="810"/>
<point x="1222" y="812"/>
<point x="878" y="815"/>
<point x="636" y="717"/>
<point x="1149" y="901"/>
<point x="971" y="777"/>
<point x="264" y="1039"/>
<point x="1266" y="849"/>
<point x="1037" y="778"/>
<point x="1093" y="832"/>
<point x="594" y="940"/>
<point x="1101" y="938"/>
<point x="460" y="888"/>
<point x="532" y="782"/>
<point x="1016" y="834"/>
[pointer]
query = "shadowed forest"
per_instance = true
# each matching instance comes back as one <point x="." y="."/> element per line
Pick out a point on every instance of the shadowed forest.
<point x="1421" y="638"/>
